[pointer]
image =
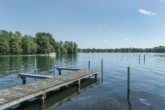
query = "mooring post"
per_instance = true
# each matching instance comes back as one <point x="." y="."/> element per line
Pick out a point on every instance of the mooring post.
<point x="79" y="81"/>
<point x="35" y="65"/>
<point x="41" y="101"/>
<point x="23" y="80"/>
<point x="102" y="65"/>
<point x="88" y="64"/>
<point x="128" y="80"/>
<point x="59" y="71"/>
<point x="96" y="76"/>
<point x="54" y="67"/>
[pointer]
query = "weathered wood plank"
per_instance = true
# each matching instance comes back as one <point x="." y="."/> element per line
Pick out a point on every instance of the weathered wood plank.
<point x="34" y="76"/>
<point x="14" y="95"/>
<point x="63" y="68"/>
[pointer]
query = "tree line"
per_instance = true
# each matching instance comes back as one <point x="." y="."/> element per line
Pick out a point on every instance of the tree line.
<point x="42" y="43"/>
<point x="155" y="49"/>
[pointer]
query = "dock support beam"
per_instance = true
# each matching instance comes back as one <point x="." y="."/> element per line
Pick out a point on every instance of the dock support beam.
<point x="78" y="83"/>
<point x="41" y="101"/>
<point x="59" y="72"/>
<point x="95" y="76"/>
<point x="23" y="80"/>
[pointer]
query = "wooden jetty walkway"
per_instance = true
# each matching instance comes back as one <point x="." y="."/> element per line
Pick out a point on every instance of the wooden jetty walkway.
<point x="15" y="95"/>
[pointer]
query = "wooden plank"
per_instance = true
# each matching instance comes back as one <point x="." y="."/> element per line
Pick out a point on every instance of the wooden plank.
<point x="63" y="68"/>
<point x="34" y="76"/>
<point x="24" y="92"/>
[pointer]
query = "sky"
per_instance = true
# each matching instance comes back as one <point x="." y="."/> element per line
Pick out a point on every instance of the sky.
<point x="89" y="23"/>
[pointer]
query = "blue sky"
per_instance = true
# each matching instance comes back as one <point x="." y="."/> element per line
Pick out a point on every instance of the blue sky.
<point x="89" y="23"/>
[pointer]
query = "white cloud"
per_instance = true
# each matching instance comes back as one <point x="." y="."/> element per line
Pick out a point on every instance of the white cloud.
<point x="143" y="11"/>
<point x="125" y="39"/>
<point x="106" y="40"/>
<point x="99" y="25"/>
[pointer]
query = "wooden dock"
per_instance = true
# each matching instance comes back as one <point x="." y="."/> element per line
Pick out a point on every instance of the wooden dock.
<point x="63" y="68"/>
<point x="14" y="95"/>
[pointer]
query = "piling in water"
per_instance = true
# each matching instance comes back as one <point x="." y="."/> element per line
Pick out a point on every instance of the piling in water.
<point x="35" y="64"/>
<point x="88" y="64"/>
<point x="128" y="80"/>
<point x="102" y="65"/>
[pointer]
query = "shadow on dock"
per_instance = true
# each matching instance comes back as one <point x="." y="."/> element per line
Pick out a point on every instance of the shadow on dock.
<point x="57" y="97"/>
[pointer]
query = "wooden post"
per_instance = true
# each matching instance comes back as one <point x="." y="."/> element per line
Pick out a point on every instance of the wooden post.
<point x="54" y="63"/>
<point x="96" y="76"/>
<point x="35" y="65"/>
<point x="59" y="72"/>
<point x="79" y="81"/>
<point x="128" y="80"/>
<point x="88" y="64"/>
<point x="54" y="67"/>
<point x="23" y="80"/>
<point x="41" y="101"/>
<point x="102" y="65"/>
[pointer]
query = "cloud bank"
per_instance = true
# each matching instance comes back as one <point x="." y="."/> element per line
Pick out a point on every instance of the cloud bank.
<point x="145" y="12"/>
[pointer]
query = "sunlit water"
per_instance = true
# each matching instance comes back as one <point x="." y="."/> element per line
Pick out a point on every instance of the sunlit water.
<point x="147" y="87"/>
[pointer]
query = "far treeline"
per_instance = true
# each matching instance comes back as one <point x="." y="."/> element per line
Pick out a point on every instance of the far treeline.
<point x="155" y="49"/>
<point x="42" y="43"/>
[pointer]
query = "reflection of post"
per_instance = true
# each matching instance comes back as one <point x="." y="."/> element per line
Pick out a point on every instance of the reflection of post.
<point x="128" y="80"/>
<point x="41" y="101"/>
<point x="128" y="99"/>
<point x="23" y="80"/>
<point x="102" y="77"/>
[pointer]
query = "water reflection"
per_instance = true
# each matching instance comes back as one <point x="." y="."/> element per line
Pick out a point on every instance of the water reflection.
<point x="57" y="97"/>
<point x="128" y="99"/>
<point x="25" y="64"/>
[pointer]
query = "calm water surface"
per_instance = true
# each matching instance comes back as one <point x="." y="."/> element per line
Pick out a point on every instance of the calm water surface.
<point x="109" y="92"/>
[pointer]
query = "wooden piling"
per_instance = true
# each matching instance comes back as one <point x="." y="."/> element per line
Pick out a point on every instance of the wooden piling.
<point x="23" y="80"/>
<point x="88" y="64"/>
<point x="59" y="72"/>
<point x="102" y="65"/>
<point x="42" y="101"/>
<point x="128" y="80"/>
<point x="95" y="76"/>
<point x="35" y="65"/>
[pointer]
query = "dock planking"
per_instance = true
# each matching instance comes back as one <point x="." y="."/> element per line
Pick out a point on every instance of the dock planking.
<point x="25" y="75"/>
<point x="14" y="95"/>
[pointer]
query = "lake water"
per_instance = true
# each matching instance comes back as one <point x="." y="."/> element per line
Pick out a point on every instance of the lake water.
<point x="109" y="92"/>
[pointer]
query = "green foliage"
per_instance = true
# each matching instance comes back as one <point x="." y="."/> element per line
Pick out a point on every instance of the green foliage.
<point x="155" y="49"/>
<point x="42" y="43"/>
